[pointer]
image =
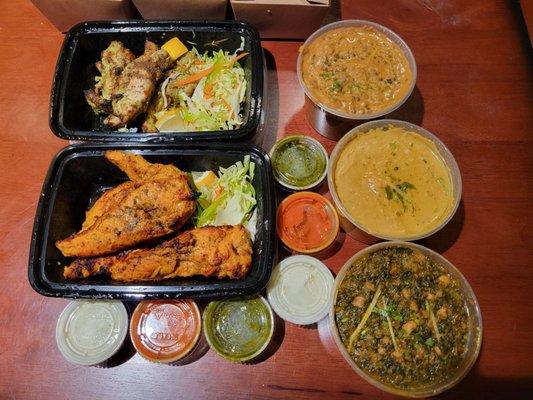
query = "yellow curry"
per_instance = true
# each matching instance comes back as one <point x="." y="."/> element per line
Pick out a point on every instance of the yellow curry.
<point x="394" y="182"/>
<point x="356" y="70"/>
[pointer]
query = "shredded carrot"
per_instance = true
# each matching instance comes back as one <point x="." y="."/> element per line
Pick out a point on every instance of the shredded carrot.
<point x="199" y="75"/>
<point x="208" y="90"/>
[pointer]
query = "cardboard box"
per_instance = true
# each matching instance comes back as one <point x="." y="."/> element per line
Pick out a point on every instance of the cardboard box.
<point x="64" y="14"/>
<point x="286" y="19"/>
<point x="182" y="9"/>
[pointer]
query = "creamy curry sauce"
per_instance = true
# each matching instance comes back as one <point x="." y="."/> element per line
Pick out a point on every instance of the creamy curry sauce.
<point x="356" y="70"/>
<point x="394" y="182"/>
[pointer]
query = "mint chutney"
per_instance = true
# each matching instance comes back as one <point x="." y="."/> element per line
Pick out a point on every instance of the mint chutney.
<point x="299" y="162"/>
<point x="239" y="329"/>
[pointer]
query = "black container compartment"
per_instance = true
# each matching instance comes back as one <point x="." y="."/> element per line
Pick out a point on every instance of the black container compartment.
<point x="72" y="118"/>
<point x="79" y="174"/>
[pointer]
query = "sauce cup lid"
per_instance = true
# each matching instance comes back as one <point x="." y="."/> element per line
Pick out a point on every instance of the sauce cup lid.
<point x="91" y="332"/>
<point x="307" y="222"/>
<point x="300" y="289"/>
<point x="165" y="331"/>
<point x="239" y="329"/>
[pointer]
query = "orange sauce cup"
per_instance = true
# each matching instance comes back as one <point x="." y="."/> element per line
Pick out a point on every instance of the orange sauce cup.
<point x="165" y="331"/>
<point x="307" y="222"/>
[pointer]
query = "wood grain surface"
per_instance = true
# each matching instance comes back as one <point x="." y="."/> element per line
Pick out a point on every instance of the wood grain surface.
<point x="474" y="91"/>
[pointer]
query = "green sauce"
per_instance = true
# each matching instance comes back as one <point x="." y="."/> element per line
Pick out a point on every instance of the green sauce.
<point x="238" y="329"/>
<point x="299" y="162"/>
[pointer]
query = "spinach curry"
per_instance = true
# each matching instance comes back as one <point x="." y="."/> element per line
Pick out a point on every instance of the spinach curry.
<point x="402" y="318"/>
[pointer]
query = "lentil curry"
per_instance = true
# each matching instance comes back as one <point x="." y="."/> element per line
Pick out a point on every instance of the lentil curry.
<point x="356" y="70"/>
<point x="394" y="182"/>
<point x="402" y="318"/>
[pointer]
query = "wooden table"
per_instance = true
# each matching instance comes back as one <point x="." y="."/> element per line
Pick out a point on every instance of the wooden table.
<point x="474" y="91"/>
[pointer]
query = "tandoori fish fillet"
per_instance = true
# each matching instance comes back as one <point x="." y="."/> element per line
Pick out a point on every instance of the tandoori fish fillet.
<point x="219" y="251"/>
<point x="156" y="202"/>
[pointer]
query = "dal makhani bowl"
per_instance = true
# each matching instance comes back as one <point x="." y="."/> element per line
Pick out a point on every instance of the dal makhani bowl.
<point x="405" y="319"/>
<point x="393" y="180"/>
<point x="353" y="71"/>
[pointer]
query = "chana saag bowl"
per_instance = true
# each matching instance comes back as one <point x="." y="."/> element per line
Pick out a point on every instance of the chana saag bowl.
<point x="405" y="319"/>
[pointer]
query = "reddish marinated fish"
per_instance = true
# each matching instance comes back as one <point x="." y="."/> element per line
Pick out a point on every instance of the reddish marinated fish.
<point x="219" y="251"/>
<point x="156" y="202"/>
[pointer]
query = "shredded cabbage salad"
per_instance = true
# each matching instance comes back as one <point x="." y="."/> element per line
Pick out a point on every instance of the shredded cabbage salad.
<point x="230" y="200"/>
<point x="216" y="101"/>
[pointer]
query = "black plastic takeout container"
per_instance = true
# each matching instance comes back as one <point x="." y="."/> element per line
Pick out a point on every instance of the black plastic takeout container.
<point x="79" y="174"/>
<point x="72" y="118"/>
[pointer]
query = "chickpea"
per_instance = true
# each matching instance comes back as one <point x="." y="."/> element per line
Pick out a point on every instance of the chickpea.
<point x="442" y="313"/>
<point x="359" y="301"/>
<point x="444" y="280"/>
<point x="409" y="326"/>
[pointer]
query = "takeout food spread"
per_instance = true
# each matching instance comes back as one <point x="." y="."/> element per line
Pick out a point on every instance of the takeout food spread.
<point x="165" y="223"/>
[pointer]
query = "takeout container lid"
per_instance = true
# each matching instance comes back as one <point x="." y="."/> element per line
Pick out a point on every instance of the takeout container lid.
<point x="165" y="331"/>
<point x="474" y="316"/>
<point x="330" y="122"/>
<point x="239" y="329"/>
<point x="289" y="233"/>
<point x="300" y="289"/>
<point x="79" y="174"/>
<point x="91" y="332"/>
<point x="310" y="143"/>
<point x="349" y="224"/>
<point x="72" y="118"/>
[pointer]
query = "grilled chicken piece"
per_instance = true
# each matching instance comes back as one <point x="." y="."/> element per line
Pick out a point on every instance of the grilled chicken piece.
<point x="114" y="60"/>
<point x="221" y="251"/>
<point x="156" y="202"/>
<point x="137" y="84"/>
<point x="172" y="91"/>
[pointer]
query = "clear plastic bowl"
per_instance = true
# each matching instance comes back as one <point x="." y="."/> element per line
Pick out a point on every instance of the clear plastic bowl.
<point x="360" y="232"/>
<point x="474" y="320"/>
<point x="319" y="114"/>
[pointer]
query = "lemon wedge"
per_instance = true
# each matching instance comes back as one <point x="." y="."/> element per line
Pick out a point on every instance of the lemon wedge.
<point x="207" y="178"/>
<point x="175" y="48"/>
<point x="170" y="121"/>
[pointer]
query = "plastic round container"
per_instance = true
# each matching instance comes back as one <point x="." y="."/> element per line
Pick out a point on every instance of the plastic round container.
<point x="333" y="123"/>
<point x="165" y="331"/>
<point x="239" y="329"/>
<point x="90" y="332"/>
<point x="299" y="162"/>
<point x="362" y="233"/>
<point x="474" y="320"/>
<point x="307" y="222"/>
<point x="300" y="289"/>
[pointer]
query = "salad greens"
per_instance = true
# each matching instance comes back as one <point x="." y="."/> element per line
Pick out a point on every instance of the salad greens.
<point x="216" y="100"/>
<point x="230" y="199"/>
